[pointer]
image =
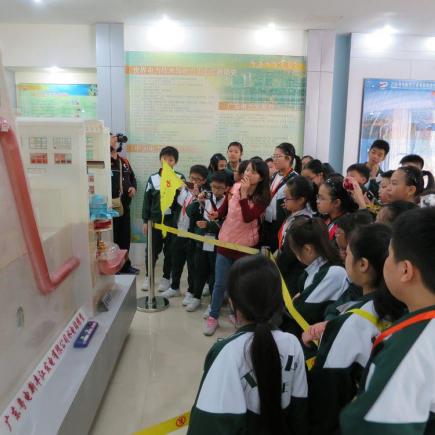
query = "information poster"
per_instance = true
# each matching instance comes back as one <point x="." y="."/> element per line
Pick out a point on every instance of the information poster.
<point x="401" y="112"/>
<point x="42" y="100"/>
<point x="200" y="103"/>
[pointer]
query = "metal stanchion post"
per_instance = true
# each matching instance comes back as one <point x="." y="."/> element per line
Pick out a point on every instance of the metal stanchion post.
<point x="151" y="303"/>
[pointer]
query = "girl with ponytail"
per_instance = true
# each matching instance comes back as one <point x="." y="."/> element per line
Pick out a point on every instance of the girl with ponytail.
<point x="254" y="382"/>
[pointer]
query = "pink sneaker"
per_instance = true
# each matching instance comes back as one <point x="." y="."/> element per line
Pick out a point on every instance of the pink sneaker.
<point x="211" y="326"/>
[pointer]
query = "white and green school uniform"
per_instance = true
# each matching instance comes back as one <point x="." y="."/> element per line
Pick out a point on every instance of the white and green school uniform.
<point x="398" y="388"/>
<point x="228" y="400"/>
<point x="321" y="284"/>
<point x="343" y="353"/>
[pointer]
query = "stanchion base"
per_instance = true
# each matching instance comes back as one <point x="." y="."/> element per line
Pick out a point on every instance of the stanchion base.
<point x="152" y="305"/>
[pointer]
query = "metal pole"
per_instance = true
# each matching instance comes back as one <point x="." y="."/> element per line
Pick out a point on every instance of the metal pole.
<point x="151" y="303"/>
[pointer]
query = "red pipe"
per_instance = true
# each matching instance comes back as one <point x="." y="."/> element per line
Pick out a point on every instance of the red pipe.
<point x="47" y="282"/>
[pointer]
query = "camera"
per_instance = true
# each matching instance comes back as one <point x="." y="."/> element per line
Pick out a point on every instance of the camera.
<point x="207" y="194"/>
<point x="121" y="138"/>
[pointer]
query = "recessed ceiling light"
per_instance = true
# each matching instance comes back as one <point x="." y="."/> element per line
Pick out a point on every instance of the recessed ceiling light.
<point x="268" y="36"/>
<point x="380" y="39"/>
<point x="166" y="34"/>
<point x="430" y="43"/>
<point x="54" y="69"/>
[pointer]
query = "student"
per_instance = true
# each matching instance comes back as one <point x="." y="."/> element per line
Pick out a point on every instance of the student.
<point x="360" y="172"/>
<point x="315" y="171"/>
<point x="183" y="249"/>
<point x="151" y="211"/>
<point x="299" y="202"/>
<point x="283" y="157"/>
<point x="205" y="255"/>
<point x="407" y="184"/>
<point x="218" y="162"/>
<point x="234" y="154"/>
<point x="391" y="211"/>
<point x="306" y="159"/>
<point x="377" y="154"/>
<point x="333" y="201"/>
<point x="254" y="381"/>
<point x="272" y="168"/>
<point x="238" y="175"/>
<point x="347" y="340"/>
<point x="246" y="203"/>
<point x="413" y="160"/>
<point x="323" y="281"/>
<point x="384" y="195"/>
<point x="397" y="393"/>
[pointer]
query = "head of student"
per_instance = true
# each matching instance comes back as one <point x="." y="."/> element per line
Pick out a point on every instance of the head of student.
<point x="257" y="173"/>
<point x="254" y="288"/>
<point x="240" y="172"/>
<point x="384" y="194"/>
<point x="169" y="155"/>
<point x="360" y="172"/>
<point x="409" y="270"/>
<point x="407" y="184"/>
<point x="234" y="153"/>
<point x="300" y="193"/>
<point x="218" y="162"/>
<point x="315" y="171"/>
<point x="198" y="175"/>
<point x="333" y="199"/>
<point x="366" y="254"/>
<point x="391" y="211"/>
<point x="309" y="239"/>
<point x="284" y="157"/>
<point x="306" y="159"/>
<point x="378" y="151"/>
<point x="219" y="184"/>
<point x="272" y="168"/>
<point x="413" y="160"/>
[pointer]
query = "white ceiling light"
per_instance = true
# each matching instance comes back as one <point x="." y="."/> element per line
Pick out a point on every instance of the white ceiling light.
<point x="430" y="44"/>
<point x="269" y="36"/>
<point x="54" y="70"/>
<point x="380" y="39"/>
<point x="165" y="34"/>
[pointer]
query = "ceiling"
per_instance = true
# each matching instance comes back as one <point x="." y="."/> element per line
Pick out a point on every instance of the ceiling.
<point x="409" y="17"/>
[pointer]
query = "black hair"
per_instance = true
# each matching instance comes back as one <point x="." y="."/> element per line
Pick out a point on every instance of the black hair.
<point x="371" y="242"/>
<point x="387" y="174"/>
<point x="262" y="191"/>
<point x="396" y="208"/>
<point x="329" y="169"/>
<point x="256" y="158"/>
<point x="254" y="287"/>
<point x="317" y="167"/>
<point x="214" y="161"/>
<point x="415" y="177"/>
<point x="414" y="240"/>
<point x="313" y="231"/>
<point x="236" y="144"/>
<point x="301" y="187"/>
<point x="413" y="158"/>
<point x="269" y="160"/>
<point x="337" y="191"/>
<point x="169" y="151"/>
<point x="289" y="150"/>
<point x="361" y="168"/>
<point x="381" y="145"/>
<point x="307" y="157"/>
<point x="242" y="166"/>
<point x="221" y="177"/>
<point x="352" y="221"/>
<point x="200" y="170"/>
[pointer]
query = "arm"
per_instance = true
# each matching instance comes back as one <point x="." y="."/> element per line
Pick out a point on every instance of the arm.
<point x="251" y="213"/>
<point x="133" y="181"/>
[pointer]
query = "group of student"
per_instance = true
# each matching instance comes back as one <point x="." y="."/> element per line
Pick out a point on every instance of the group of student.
<point x="356" y="254"/>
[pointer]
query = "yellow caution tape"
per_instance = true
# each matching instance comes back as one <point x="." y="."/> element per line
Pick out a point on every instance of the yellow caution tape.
<point x="167" y="426"/>
<point x="310" y="362"/>
<point x="371" y="318"/>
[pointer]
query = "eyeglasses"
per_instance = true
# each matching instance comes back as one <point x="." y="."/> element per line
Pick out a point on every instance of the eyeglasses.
<point x="196" y="179"/>
<point x="278" y="156"/>
<point x="289" y="199"/>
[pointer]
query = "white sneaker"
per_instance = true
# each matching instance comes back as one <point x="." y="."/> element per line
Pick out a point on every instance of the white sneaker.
<point x="164" y="285"/>
<point x="146" y="284"/>
<point x="206" y="290"/>
<point x="193" y="305"/>
<point x="210" y="327"/>
<point x="187" y="299"/>
<point x="171" y="293"/>
<point x="206" y="313"/>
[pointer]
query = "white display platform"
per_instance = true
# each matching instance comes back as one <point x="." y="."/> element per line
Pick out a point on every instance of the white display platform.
<point x="73" y="393"/>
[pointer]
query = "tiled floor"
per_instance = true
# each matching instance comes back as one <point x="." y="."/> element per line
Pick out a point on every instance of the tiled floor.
<point x="159" y="369"/>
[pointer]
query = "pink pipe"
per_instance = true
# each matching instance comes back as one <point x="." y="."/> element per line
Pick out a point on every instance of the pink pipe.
<point x="47" y="282"/>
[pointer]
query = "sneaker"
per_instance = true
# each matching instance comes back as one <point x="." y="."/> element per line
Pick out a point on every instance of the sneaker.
<point x="187" y="299"/>
<point x="206" y="313"/>
<point x="211" y="326"/>
<point x="206" y="290"/>
<point x="164" y="285"/>
<point x="193" y="305"/>
<point x="171" y="293"/>
<point x="146" y="284"/>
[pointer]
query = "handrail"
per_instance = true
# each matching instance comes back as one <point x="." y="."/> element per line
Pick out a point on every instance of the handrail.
<point x="47" y="282"/>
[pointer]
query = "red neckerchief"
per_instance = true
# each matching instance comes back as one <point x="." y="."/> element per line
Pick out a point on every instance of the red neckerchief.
<point x="186" y="205"/>
<point x="274" y="191"/>
<point x="428" y="315"/>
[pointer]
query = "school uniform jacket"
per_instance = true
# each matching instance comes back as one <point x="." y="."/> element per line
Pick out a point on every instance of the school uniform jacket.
<point x="398" y="388"/>
<point x="321" y="284"/>
<point x="228" y="401"/>
<point x="351" y="295"/>
<point x="197" y="212"/>
<point x="343" y="353"/>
